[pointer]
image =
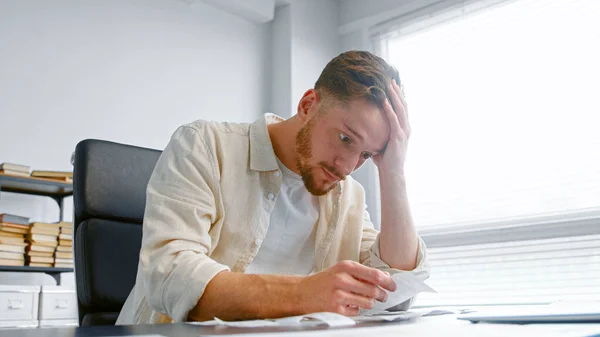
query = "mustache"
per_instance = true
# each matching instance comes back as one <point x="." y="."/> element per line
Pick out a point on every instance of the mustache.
<point x="333" y="170"/>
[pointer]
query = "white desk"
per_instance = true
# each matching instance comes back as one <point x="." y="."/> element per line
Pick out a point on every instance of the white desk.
<point x="446" y="325"/>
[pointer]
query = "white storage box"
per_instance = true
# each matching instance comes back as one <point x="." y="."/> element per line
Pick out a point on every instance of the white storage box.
<point x="57" y="303"/>
<point x="19" y="306"/>
<point x="67" y="280"/>
<point x="26" y="279"/>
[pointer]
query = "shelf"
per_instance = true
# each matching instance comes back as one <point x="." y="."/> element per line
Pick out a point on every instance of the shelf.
<point x="35" y="186"/>
<point x="36" y="269"/>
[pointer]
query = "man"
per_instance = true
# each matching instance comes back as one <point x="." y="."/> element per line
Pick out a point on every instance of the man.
<point x="262" y="220"/>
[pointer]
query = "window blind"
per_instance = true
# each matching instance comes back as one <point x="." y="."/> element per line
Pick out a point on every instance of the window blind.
<point x="503" y="106"/>
<point x="520" y="272"/>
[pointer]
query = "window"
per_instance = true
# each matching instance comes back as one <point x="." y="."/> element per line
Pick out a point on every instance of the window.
<point x="503" y="103"/>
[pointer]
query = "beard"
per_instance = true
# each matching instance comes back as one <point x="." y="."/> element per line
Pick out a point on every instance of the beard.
<point x="303" y="157"/>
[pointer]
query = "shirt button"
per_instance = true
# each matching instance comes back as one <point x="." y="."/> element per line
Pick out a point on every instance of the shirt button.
<point x="271" y="196"/>
<point x="277" y="173"/>
<point x="257" y="242"/>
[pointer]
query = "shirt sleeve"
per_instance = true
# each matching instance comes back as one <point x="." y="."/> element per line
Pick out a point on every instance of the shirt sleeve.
<point x="181" y="206"/>
<point x="371" y="257"/>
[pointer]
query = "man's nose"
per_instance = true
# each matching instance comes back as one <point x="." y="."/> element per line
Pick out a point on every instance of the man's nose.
<point x="346" y="164"/>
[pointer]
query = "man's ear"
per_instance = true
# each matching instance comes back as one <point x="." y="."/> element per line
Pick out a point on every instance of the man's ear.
<point x="307" y="107"/>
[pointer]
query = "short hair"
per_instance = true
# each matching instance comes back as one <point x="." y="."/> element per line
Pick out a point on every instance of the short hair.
<point x="357" y="75"/>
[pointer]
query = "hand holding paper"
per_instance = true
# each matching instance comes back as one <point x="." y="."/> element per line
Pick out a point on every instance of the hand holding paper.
<point x="407" y="286"/>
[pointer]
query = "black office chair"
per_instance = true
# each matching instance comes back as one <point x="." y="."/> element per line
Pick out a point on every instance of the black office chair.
<point x="109" y="194"/>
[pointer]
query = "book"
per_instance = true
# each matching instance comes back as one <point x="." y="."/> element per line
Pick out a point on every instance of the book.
<point x="67" y="179"/>
<point x="34" y="247"/>
<point x="42" y="238"/>
<point x="63" y="260"/>
<point x="63" y="265"/>
<point x="66" y="227"/>
<point x="44" y="243"/>
<point x="5" y="234"/>
<point x="11" y="256"/>
<point x="14" y="219"/>
<point x="11" y="229"/>
<point x="51" y="226"/>
<point x="40" y="259"/>
<point x="15" y="167"/>
<point x="68" y="243"/>
<point x="14" y="248"/>
<point x="14" y="225"/>
<point x="52" y="174"/>
<point x="44" y="254"/>
<point x="14" y="173"/>
<point x="62" y="248"/>
<point x="44" y="231"/>
<point x="63" y="255"/>
<point x="64" y="236"/>
<point x="9" y="262"/>
<point x="43" y="265"/>
<point x="11" y="240"/>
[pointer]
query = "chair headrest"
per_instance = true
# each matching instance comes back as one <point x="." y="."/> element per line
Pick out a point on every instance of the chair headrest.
<point x="110" y="180"/>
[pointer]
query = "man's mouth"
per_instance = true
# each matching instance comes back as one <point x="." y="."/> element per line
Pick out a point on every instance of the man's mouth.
<point x="330" y="176"/>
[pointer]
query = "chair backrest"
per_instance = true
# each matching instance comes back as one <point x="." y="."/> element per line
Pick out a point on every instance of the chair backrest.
<point x="109" y="195"/>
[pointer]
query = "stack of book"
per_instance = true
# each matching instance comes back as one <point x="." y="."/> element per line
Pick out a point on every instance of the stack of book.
<point x="64" y="251"/>
<point x="14" y="169"/>
<point x="54" y="175"/>
<point x="43" y="240"/>
<point x="12" y="239"/>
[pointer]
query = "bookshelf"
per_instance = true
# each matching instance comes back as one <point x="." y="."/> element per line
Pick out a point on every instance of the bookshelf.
<point x="57" y="190"/>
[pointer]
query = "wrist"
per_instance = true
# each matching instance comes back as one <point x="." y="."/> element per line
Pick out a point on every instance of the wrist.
<point x="296" y="297"/>
<point x="395" y="177"/>
<point x="284" y="293"/>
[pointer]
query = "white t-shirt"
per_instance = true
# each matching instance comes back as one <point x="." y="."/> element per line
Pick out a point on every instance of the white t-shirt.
<point x="289" y="245"/>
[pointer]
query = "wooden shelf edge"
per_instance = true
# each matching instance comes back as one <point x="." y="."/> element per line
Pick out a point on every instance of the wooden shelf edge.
<point x="35" y="269"/>
<point x="34" y="179"/>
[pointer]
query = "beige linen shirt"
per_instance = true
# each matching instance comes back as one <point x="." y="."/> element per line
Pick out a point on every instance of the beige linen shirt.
<point x="208" y="207"/>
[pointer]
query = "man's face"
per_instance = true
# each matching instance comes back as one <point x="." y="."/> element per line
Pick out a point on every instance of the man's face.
<point x="337" y="140"/>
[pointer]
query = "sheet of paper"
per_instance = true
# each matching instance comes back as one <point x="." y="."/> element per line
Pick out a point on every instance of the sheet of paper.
<point x="407" y="286"/>
<point x="388" y="317"/>
<point x="257" y="323"/>
<point x="328" y="318"/>
<point x="138" y="336"/>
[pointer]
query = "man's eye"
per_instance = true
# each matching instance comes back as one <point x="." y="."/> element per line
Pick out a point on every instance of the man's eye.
<point x="345" y="138"/>
<point x="366" y="155"/>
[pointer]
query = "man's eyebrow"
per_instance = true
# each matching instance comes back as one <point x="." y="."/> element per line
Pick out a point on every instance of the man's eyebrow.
<point x="356" y="134"/>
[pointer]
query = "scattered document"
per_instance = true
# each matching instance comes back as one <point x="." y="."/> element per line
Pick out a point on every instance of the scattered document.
<point x="407" y="287"/>
<point x="388" y="317"/>
<point x="139" y="336"/>
<point x="327" y="318"/>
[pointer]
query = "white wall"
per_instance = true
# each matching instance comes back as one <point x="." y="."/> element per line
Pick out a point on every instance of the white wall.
<point x="356" y="14"/>
<point x="281" y="67"/>
<point x="315" y="41"/>
<point x="126" y="71"/>
<point x="305" y="38"/>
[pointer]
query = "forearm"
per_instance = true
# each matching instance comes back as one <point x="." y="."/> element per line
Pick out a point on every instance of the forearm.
<point x="398" y="241"/>
<point x="236" y="296"/>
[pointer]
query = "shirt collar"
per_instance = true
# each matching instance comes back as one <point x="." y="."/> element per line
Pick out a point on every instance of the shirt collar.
<point x="262" y="156"/>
